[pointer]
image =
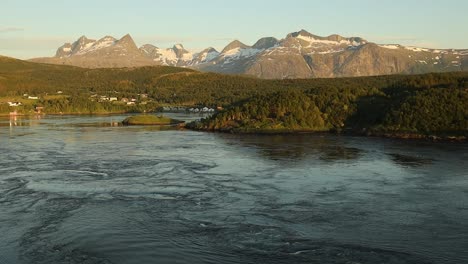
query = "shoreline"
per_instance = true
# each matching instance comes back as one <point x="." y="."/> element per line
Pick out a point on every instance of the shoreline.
<point x="91" y="114"/>
<point x="75" y="114"/>
<point x="418" y="137"/>
<point x="185" y="125"/>
<point x="388" y="135"/>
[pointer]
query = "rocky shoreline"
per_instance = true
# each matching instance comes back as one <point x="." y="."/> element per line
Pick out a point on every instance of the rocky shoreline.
<point x="394" y="135"/>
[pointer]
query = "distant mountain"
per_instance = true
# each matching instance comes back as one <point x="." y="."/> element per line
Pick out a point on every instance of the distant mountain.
<point x="299" y="55"/>
<point x="107" y="52"/>
<point x="206" y="55"/>
<point x="175" y="56"/>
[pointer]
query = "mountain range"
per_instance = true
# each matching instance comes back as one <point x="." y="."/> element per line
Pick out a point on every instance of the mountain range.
<point x="298" y="55"/>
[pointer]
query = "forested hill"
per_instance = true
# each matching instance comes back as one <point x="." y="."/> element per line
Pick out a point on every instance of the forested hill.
<point x="423" y="106"/>
<point x="429" y="104"/>
<point x="164" y="84"/>
<point x="172" y="85"/>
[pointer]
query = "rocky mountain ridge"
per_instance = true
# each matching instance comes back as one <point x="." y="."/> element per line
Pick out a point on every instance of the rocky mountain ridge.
<point x="299" y="55"/>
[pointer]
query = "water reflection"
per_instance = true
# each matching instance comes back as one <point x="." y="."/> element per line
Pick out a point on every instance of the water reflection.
<point x="296" y="148"/>
<point x="20" y="121"/>
<point x="336" y="153"/>
<point x="411" y="161"/>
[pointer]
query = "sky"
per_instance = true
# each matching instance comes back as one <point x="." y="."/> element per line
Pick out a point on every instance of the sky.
<point x="36" y="28"/>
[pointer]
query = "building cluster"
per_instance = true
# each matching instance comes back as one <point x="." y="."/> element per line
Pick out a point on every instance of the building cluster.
<point x="17" y="103"/>
<point x="30" y="97"/>
<point x="188" y="109"/>
<point x="124" y="100"/>
<point x="14" y="104"/>
<point x="201" y="110"/>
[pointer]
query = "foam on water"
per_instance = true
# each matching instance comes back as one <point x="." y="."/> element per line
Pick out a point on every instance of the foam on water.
<point x="91" y="194"/>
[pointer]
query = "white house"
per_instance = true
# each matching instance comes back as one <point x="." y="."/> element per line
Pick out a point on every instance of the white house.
<point x="14" y="103"/>
<point x="33" y="97"/>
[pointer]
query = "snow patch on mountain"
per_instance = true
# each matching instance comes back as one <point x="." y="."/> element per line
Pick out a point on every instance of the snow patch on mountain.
<point x="166" y="56"/>
<point x="94" y="46"/>
<point x="187" y="57"/>
<point x="241" y="53"/>
<point x="416" y="49"/>
<point x="312" y="41"/>
<point x="317" y="42"/>
<point x="209" y="56"/>
<point x="392" y="47"/>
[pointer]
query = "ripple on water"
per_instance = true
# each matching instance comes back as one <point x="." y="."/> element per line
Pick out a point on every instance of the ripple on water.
<point x="85" y="194"/>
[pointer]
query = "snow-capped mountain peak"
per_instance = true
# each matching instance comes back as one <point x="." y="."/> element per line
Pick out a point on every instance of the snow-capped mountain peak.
<point x="97" y="45"/>
<point x="298" y="55"/>
<point x="236" y="44"/>
<point x="206" y="55"/>
<point x="178" y="47"/>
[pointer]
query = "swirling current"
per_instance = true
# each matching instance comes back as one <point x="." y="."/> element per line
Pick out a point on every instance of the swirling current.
<point x="78" y="189"/>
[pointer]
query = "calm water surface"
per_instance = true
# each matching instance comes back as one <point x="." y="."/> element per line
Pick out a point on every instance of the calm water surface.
<point x="75" y="189"/>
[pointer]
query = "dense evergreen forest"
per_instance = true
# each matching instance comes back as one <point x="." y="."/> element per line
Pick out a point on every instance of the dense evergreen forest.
<point x="401" y="106"/>
<point x="430" y="104"/>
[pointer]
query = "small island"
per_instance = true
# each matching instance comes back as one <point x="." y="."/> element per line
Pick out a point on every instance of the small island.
<point x="150" y="120"/>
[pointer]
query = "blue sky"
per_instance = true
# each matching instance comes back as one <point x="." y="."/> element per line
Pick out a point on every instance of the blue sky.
<point x="32" y="28"/>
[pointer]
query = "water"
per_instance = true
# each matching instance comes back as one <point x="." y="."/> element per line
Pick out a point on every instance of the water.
<point x="76" y="189"/>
